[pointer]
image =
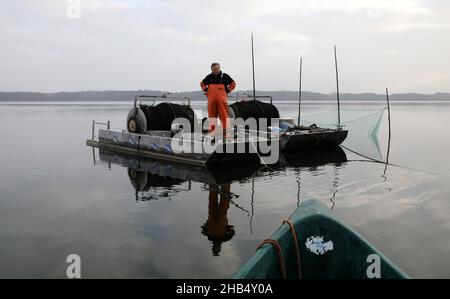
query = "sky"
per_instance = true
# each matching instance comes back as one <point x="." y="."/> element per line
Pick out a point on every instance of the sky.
<point x="77" y="45"/>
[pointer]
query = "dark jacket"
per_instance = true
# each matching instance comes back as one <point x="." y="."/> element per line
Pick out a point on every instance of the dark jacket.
<point x="221" y="78"/>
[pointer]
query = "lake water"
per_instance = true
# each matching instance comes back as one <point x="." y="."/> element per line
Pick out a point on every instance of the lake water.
<point x="55" y="201"/>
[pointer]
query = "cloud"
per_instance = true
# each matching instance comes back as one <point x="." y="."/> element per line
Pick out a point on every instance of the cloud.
<point x="146" y="44"/>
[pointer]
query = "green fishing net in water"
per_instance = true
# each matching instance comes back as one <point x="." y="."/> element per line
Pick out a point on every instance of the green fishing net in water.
<point x="363" y="126"/>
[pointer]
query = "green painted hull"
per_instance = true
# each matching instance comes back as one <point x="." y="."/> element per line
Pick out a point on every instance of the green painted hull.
<point x="346" y="252"/>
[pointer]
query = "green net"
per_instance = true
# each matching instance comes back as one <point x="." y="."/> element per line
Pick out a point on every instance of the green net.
<point x="363" y="127"/>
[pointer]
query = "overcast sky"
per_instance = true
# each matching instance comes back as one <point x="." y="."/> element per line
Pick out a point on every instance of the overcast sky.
<point x="51" y="45"/>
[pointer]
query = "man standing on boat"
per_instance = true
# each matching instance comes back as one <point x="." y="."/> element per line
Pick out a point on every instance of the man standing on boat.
<point x="216" y="86"/>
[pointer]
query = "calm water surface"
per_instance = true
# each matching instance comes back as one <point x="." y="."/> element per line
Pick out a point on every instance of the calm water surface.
<point x="54" y="200"/>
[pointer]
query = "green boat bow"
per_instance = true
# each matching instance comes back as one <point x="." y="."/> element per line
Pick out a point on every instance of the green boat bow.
<point x="326" y="249"/>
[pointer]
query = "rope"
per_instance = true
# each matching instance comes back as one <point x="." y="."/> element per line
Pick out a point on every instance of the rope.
<point x="279" y="251"/>
<point x="259" y="156"/>
<point x="297" y="250"/>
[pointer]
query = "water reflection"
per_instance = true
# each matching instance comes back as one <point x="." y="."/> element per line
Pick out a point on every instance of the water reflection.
<point x="159" y="180"/>
<point x="310" y="161"/>
<point x="334" y="188"/>
<point x="216" y="228"/>
<point x="150" y="186"/>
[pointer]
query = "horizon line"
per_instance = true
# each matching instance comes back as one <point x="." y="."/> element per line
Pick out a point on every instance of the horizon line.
<point x="234" y="92"/>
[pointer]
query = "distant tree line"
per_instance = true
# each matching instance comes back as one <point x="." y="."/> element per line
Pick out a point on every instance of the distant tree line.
<point x="198" y="96"/>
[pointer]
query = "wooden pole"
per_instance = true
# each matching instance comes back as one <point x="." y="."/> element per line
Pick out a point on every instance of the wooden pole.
<point x="389" y="122"/>
<point x="337" y="85"/>
<point x="300" y="92"/>
<point x="389" y="138"/>
<point x="253" y="69"/>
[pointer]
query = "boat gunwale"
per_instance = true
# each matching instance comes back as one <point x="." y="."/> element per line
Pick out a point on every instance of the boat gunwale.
<point x="308" y="210"/>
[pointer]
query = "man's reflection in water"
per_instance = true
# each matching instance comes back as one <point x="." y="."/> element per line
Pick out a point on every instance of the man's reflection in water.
<point x="216" y="228"/>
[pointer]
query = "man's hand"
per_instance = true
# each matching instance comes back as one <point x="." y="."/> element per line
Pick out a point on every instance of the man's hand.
<point x="231" y="87"/>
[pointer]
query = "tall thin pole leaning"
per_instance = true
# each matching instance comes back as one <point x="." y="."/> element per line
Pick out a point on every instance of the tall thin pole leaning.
<point x="300" y="92"/>
<point x="337" y="85"/>
<point x="389" y="122"/>
<point x="389" y="136"/>
<point x="389" y="111"/>
<point x="253" y="69"/>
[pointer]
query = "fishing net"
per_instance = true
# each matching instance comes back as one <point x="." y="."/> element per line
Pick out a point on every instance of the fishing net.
<point x="363" y="127"/>
<point x="363" y="122"/>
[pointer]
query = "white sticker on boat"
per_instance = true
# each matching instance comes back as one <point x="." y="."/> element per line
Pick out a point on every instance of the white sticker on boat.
<point x="318" y="246"/>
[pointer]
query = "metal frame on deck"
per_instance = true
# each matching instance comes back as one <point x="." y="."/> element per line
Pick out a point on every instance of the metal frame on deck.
<point x="107" y="124"/>
<point x="249" y="97"/>
<point x="161" y="97"/>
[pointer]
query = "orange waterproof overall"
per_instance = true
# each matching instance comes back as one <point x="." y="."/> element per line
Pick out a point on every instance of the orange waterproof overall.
<point x="217" y="211"/>
<point x="217" y="104"/>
